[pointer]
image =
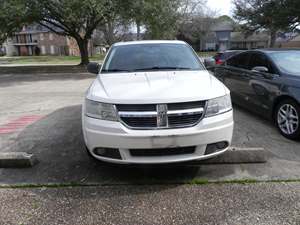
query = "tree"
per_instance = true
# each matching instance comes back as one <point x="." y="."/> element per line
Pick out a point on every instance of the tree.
<point x="137" y="13"/>
<point x="158" y="17"/>
<point x="12" y="16"/>
<point x="192" y="8"/>
<point x="225" y="18"/>
<point x="196" y="30"/>
<point x="114" y="30"/>
<point x="134" y="12"/>
<point x="259" y="14"/>
<point x="196" y="21"/>
<point x="161" y="17"/>
<point x="289" y="14"/>
<point x="74" y="18"/>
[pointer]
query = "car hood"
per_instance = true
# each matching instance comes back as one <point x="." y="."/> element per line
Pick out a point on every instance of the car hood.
<point x="155" y="87"/>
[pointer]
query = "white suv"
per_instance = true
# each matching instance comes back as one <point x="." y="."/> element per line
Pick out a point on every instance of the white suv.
<point x="154" y="102"/>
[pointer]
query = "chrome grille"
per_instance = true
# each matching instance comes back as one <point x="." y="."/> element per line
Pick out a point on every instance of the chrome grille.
<point x="161" y="116"/>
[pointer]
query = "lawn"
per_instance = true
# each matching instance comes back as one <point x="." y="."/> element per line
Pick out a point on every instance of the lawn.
<point x="206" y="54"/>
<point x="45" y="60"/>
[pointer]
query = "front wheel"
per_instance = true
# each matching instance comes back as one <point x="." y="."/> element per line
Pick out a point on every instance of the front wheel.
<point x="287" y="116"/>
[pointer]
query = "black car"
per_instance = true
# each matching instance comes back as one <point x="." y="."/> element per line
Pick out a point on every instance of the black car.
<point x="267" y="82"/>
<point x="221" y="57"/>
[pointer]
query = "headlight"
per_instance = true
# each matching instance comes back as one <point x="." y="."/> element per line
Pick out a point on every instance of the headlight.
<point x="218" y="105"/>
<point x="102" y="111"/>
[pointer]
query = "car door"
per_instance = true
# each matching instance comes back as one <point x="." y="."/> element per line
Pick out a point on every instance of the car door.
<point x="234" y="75"/>
<point x="263" y="85"/>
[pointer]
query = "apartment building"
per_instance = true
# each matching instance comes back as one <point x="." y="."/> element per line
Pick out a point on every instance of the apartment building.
<point x="38" y="40"/>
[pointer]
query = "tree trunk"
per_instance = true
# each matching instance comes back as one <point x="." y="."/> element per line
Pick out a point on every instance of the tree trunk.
<point x="273" y="38"/>
<point x="138" y="30"/>
<point x="110" y="34"/>
<point x="84" y="51"/>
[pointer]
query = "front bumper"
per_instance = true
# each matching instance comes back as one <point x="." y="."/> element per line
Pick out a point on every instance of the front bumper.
<point x="106" y="134"/>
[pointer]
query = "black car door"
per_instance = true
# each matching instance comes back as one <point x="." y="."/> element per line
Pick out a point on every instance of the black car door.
<point x="263" y="85"/>
<point x="234" y="74"/>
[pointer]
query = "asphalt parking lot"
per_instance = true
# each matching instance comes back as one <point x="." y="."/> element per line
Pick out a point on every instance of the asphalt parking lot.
<point x="40" y="114"/>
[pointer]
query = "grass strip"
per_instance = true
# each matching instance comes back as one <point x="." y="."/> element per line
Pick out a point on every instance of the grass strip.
<point x="191" y="182"/>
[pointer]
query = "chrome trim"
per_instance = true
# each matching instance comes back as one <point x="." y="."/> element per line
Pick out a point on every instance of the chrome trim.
<point x="138" y="114"/>
<point x="154" y="113"/>
<point x="192" y="111"/>
<point x="186" y="111"/>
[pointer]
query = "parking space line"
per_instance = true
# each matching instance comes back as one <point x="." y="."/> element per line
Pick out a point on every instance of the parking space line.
<point x="19" y="123"/>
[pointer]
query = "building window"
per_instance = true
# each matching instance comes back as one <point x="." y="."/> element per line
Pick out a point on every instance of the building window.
<point x="50" y="36"/>
<point x="52" y="50"/>
<point x="43" y="50"/>
<point x="42" y="36"/>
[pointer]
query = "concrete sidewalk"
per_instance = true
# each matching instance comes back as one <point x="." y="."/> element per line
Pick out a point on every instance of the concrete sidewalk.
<point x="224" y="204"/>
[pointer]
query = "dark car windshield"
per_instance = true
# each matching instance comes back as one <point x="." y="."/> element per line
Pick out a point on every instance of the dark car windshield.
<point x="151" y="57"/>
<point x="287" y="62"/>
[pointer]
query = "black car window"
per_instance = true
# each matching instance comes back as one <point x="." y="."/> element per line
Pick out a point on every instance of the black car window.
<point x="239" y="61"/>
<point x="259" y="59"/>
<point x="227" y="55"/>
<point x="287" y="61"/>
<point x="232" y="61"/>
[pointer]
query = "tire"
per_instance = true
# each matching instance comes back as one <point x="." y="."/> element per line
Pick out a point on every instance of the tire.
<point x="287" y="119"/>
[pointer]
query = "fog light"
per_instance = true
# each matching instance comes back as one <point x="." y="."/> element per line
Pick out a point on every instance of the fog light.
<point x="222" y="145"/>
<point x="216" y="147"/>
<point x="100" y="151"/>
<point x="113" y="153"/>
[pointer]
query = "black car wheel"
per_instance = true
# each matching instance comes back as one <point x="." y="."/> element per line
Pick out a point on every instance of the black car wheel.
<point x="287" y="117"/>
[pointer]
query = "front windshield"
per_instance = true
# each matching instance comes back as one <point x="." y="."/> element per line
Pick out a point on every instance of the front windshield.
<point x="288" y="61"/>
<point x="151" y="57"/>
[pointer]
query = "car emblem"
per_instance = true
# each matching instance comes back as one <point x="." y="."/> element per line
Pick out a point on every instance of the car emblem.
<point x="162" y="118"/>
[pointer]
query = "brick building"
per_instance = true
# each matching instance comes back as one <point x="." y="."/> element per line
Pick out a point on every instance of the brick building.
<point x="38" y="40"/>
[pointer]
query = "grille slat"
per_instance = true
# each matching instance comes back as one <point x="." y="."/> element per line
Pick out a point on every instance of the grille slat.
<point x="137" y="108"/>
<point x="175" y="115"/>
<point x="162" y="152"/>
<point x="185" y="105"/>
<point x="136" y="122"/>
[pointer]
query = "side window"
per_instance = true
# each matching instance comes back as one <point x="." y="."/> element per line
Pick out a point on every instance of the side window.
<point x="232" y="61"/>
<point x="239" y="61"/>
<point x="258" y="59"/>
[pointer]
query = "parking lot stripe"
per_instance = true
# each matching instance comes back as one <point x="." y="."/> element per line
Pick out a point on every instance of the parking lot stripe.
<point x="19" y="123"/>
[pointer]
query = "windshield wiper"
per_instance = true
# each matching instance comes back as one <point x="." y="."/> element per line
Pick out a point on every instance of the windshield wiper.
<point x="163" y="68"/>
<point x="115" y="70"/>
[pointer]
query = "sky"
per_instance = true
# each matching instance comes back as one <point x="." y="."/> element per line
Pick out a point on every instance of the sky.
<point x="223" y="7"/>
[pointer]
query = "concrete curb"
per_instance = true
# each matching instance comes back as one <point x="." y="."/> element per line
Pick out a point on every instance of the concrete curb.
<point x="233" y="156"/>
<point x="17" y="160"/>
<point x="241" y="155"/>
<point x="42" y="69"/>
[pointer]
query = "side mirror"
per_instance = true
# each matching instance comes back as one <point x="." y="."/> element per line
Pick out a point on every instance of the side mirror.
<point x="264" y="70"/>
<point x="260" y="69"/>
<point x="93" y="67"/>
<point x="209" y="63"/>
